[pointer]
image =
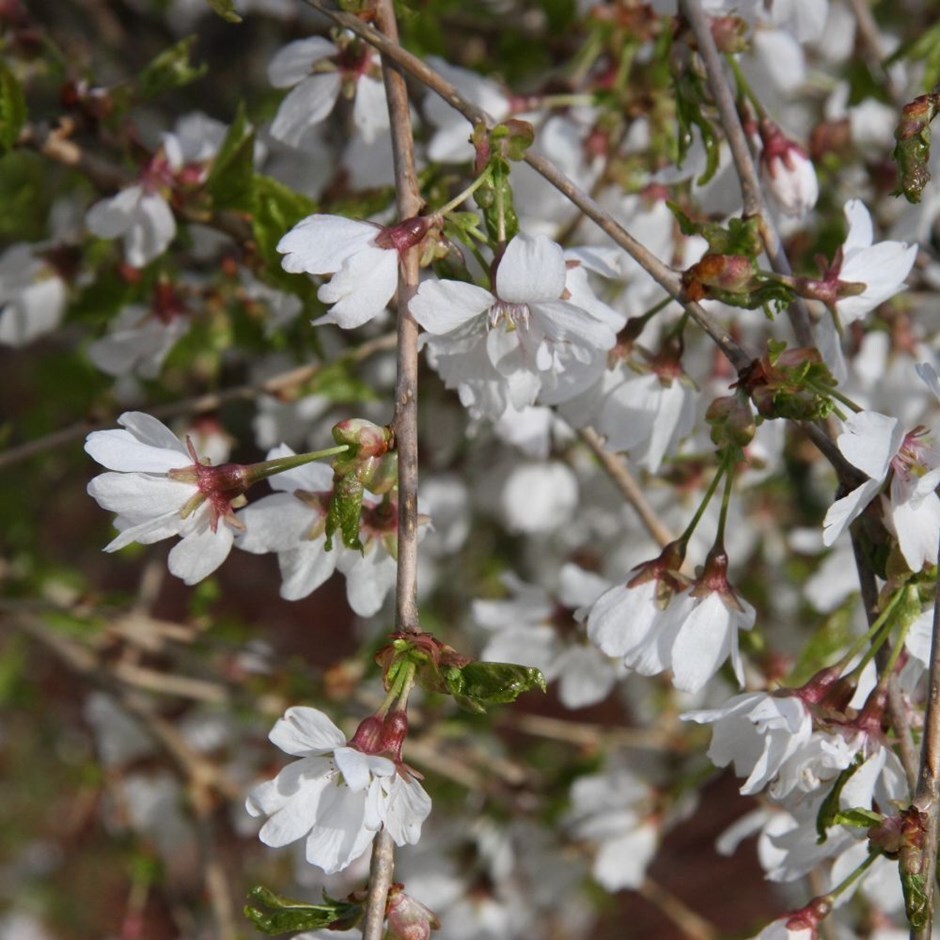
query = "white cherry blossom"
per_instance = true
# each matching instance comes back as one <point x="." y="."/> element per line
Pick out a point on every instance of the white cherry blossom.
<point x="158" y="490"/>
<point x="291" y="522"/>
<point x="616" y="811"/>
<point x="361" y="256"/>
<point x="534" y="628"/>
<point x="657" y="629"/>
<point x="335" y="796"/>
<point x="137" y="341"/>
<point x="863" y="274"/>
<point x="878" y="446"/>
<point x="140" y="214"/>
<point x="519" y="343"/>
<point x="756" y="732"/>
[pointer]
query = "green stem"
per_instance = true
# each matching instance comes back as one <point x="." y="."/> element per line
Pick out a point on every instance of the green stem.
<point x="402" y="684"/>
<point x="683" y="539"/>
<point x="744" y="88"/>
<point x="466" y="194"/>
<point x="869" y="637"/>
<point x="268" y="468"/>
<point x="725" y="502"/>
<point x="855" y="875"/>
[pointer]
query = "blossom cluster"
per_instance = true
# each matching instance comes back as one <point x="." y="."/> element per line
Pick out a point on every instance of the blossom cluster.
<point x="677" y="467"/>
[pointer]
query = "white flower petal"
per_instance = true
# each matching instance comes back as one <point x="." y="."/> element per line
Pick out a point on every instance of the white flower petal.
<point x="442" y="306"/>
<point x="320" y="244"/>
<point x="362" y="288"/>
<point x="370" y="109"/>
<point x="869" y="442"/>
<point x="306" y="105"/>
<point x="292" y="63"/>
<point x="531" y="269"/>
<point x="304" y="730"/>
<point x="199" y="554"/>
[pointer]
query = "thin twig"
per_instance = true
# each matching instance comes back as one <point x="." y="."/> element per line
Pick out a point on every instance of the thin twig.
<point x="668" y="279"/>
<point x="408" y="198"/>
<point x="381" y="872"/>
<point x="405" y="422"/>
<point x="897" y="714"/>
<point x="198" y="404"/>
<point x="751" y="192"/>
<point x="927" y="796"/>
<point x="692" y="925"/>
<point x="616" y="469"/>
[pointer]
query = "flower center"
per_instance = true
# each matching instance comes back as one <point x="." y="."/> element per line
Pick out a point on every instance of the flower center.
<point x="510" y="316"/>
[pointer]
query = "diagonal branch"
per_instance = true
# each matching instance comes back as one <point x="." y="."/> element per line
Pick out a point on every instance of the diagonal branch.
<point x="751" y="192"/>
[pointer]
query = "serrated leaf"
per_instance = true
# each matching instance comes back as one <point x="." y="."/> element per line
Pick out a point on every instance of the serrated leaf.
<point x="916" y="902"/>
<point x="12" y="108"/>
<point x="345" y="511"/>
<point x="285" y="915"/>
<point x="495" y="199"/>
<point x="479" y="684"/>
<point x="231" y="180"/>
<point x="225" y="9"/>
<point x="172" y="68"/>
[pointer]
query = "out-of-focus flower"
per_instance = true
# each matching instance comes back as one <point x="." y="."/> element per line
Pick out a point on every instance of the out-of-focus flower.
<point x="32" y="296"/>
<point x="787" y="171"/>
<point x="533" y="628"/>
<point x="616" y="811"/>
<point x="140" y="214"/>
<point x="317" y="71"/>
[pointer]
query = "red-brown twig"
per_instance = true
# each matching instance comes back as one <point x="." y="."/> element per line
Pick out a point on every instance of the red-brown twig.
<point x="751" y="192"/>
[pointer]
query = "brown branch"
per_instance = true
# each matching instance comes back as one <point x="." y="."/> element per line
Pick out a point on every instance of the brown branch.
<point x="381" y="872"/>
<point x="405" y="422"/>
<point x="927" y="795"/>
<point x="410" y="203"/>
<point x="616" y="469"/>
<point x="751" y="191"/>
<point x="661" y="273"/>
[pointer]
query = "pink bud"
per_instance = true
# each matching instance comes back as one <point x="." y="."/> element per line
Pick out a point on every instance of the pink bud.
<point x="787" y="171"/>
<point x="408" y="919"/>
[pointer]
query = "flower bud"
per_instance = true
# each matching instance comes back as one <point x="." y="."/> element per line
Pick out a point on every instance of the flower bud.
<point x="408" y="919"/>
<point x="366" y="439"/>
<point x="406" y="234"/>
<point x="787" y="171"/>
